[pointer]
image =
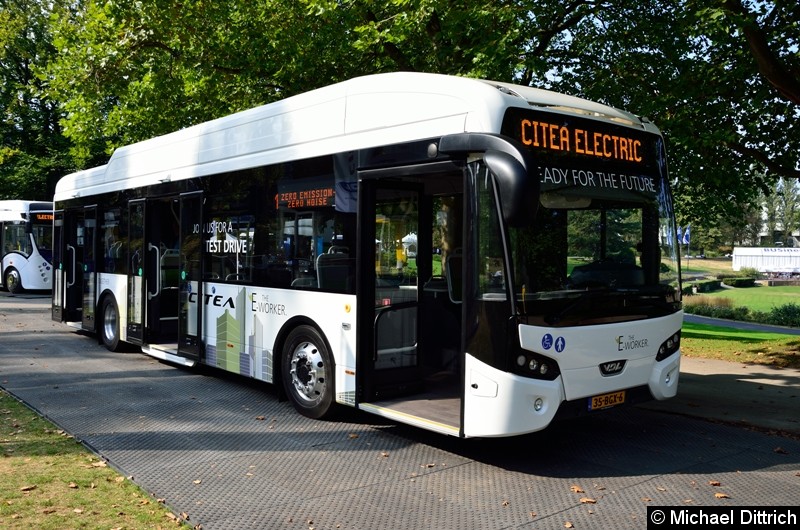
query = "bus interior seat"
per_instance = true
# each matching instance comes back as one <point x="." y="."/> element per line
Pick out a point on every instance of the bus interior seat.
<point x="304" y="281"/>
<point x="336" y="272"/>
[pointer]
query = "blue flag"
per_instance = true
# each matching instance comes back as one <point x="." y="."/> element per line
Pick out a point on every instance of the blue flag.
<point x="685" y="235"/>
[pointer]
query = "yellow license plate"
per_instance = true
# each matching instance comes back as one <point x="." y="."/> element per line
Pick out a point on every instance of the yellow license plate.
<point x="606" y="400"/>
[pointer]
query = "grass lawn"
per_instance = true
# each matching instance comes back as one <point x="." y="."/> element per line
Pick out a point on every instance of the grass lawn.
<point x="741" y="346"/>
<point x="50" y="481"/>
<point x="780" y="351"/>
<point x="759" y="297"/>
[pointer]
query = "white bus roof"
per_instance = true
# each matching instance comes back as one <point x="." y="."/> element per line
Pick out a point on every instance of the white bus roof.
<point x="12" y="210"/>
<point x="366" y="111"/>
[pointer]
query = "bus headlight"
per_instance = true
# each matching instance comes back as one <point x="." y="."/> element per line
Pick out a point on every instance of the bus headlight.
<point x="530" y="364"/>
<point x="669" y="346"/>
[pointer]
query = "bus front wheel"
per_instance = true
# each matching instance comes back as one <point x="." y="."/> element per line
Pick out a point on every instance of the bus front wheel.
<point x="307" y="371"/>
<point x="13" y="281"/>
<point x="109" y="324"/>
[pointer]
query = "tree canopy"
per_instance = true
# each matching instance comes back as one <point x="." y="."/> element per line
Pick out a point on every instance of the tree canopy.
<point x="721" y="78"/>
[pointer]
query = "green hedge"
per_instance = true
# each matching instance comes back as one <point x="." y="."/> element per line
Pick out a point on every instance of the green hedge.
<point x="706" y="286"/>
<point x="786" y="315"/>
<point x="740" y="282"/>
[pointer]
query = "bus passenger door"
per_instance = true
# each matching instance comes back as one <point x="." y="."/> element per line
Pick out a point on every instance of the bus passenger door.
<point x="89" y="270"/>
<point x="154" y="231"/>
<point x="135" y="265"/>
<point x="190" y="279"/>
<point x="68" y="266"/>
<point x="57" y="305"/>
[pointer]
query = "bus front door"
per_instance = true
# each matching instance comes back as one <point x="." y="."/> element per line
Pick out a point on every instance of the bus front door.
<point x="410" y="344"/>
<point x="394" y="347"/>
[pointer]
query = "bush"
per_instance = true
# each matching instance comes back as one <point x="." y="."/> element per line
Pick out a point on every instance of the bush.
<point x="785" y="315"/>
<point x="750" y="272"/>
<point x="717" y="307"/>
<point x="706" y="286"/>
<point x="706" y="301"/>
<point x="740" y="282"/>
<point x="729" y="313"/>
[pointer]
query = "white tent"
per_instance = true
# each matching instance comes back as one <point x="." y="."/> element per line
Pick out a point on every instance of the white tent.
<point x="410" y="245"/>
<point x="767" y="259"/>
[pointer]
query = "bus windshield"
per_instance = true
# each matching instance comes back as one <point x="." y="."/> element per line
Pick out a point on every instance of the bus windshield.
<point x="600" y="245"/>
<point x="621" y="249"/>
<point x="43" y="236"/>
<point x="612" y="258"/>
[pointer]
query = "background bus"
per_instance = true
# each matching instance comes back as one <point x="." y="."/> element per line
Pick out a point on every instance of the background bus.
<point x="470" y="257"/>
<point x="26" y="233"/>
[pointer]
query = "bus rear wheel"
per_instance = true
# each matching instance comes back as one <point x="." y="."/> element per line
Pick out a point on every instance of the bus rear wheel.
<point x="13" y="282"/>
<point x="307" y="372"/>
<point x="109" y="324"/>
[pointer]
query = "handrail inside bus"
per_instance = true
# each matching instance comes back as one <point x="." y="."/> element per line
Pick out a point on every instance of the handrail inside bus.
<point x="150" y="295"/>
<point x="71" y="283"/>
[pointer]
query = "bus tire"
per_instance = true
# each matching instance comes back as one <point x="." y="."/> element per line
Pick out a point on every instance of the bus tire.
<point x="13" y="281"/>
<point x="109" y="324"/>
<point x="307" y="371"/>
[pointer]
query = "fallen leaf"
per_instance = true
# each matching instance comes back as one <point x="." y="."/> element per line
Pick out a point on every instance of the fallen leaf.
<point x="77" y="510"/>
<point x="260" y="418"/>
<point x="352" y="435"/>
<point x="568" y="525"/>
<point x="384" y="454"/>
<point x="721" y="496"/>
<point x="27" y="488"/>
<point x="532" y="514"/>
<point x="647" y="499"/>
<point x="73" y="485"/>
<point x="714" y="483"/>
<point x="587" y="500"/>
<point x="661" y="488"/>
<point x="576" y="489"/>
<point x="781" y="451"/>
<point x="505" y="503"/>
<point x="196" y="481"/>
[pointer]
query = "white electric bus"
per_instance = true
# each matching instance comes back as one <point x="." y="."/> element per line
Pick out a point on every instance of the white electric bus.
<point x="26" y="234"/>
<point x="471" y="257"/>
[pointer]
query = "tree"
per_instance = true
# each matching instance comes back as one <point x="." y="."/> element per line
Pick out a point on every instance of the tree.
<point x="788" y="193"/>
<point x="691" y="69"/>
<point x="719" y="78"/>
<point x="32" y="146"/>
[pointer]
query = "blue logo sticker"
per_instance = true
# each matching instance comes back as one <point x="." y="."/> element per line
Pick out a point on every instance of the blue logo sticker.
<point x="547" y="341"/>
<point x="560" y="344"/>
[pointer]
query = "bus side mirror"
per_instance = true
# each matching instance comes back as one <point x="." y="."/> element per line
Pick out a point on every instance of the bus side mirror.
<point x="518" y="190"/>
